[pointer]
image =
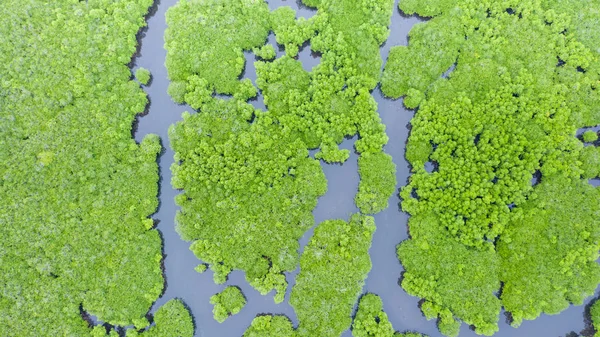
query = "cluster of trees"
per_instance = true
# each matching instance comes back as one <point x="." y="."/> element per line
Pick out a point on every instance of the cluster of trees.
<point x="271" y="326"/>
<point x="369" y="321"/>
<point x="266" y="52"/>
<point x="207" y="38"/>
<point x="249" y="185"/>
<point x="228" y="302"/>
<point x="291" y="32"/>
<point x="76" y="189"/>
<point x="434" y="46"/>
<point x="173" y="319"/>
<point x="249" y="189"/>
<point x="549" y="249"/>
<point x="372" y="321"/>
<point x="143" y="75"/>
<point x="333" y="268"/>
<point x="377" y="182"/>
<point x="526" y="79"/>
<point x="595" y="316"/>
<point x="333" y="101"/>
<point x="590" y="136"/>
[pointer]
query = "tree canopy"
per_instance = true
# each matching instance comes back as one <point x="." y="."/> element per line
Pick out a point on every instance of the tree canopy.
<point x="595" y="316"/>
<point x="143" y="75"/>
<point x="76" y="191"/>
<point x="227" y="303"/>
<point x="372" y="321"/>
<point x="171" y="320"/>
<point x="525" y="81"/>
<point x="271" y="326"/>
<point x="249" y="185"/>
<point x="333" y="268"/>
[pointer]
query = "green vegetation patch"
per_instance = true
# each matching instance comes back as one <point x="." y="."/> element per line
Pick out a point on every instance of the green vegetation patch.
<point x="171" y="320"/>
<point x="227" y="303"/>
<point x="271" y="326"/>
<point x="266" y="52"/>
<point x="333" y="268"/>
<point x="526" y="79"/>
<point x="333" y="100"/>
<point x="249" y="192"/>
<point x="207" y="38"/>
<point x="76" y="189"/>
<point x="595" y="316"/>
<point x="143" y="75"/>
<point x="249" y="186"/>
<point x="590" y="136"/>
<point x="370" y="319"/>
<point x="377" y="182"/>
<point x="549" y="250"/>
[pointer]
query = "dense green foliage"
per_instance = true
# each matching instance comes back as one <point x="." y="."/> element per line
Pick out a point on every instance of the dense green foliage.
<point x="377" y="182"/>
<point x="249" y="186"/>
<point x="207" y="39"/>
<point x="333" y="268"/>
<point x="76" y="190"/>
<point x="227" y="303"/>
<point x="332" y="101"/>
<point x="372" y="321"/>
<point x="143" y="75"/>
<point x="271" y="326"/>
<point x="590" y="136"/>
<point x="525" y="80"/>
<point x="171" y="320"/>
<point x="595" y="316"/>
<point x="266" y="52"/>
<point x="455" y="279"/>
<point x="433" y="48"/>
<point x="570" y="272"/>
<point x="248" y="193"/>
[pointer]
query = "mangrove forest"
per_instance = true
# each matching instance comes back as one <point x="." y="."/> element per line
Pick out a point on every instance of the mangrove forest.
<point x="181" y="168"/>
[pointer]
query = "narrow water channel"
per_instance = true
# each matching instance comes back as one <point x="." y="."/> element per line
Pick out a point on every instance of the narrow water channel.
<point x="195" y="289"/>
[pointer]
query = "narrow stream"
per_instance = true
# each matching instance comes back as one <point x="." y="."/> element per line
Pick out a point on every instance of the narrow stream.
<point x="195" y="289"/>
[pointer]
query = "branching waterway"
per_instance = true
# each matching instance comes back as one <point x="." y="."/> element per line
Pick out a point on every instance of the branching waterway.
<point x="195" y="289"/>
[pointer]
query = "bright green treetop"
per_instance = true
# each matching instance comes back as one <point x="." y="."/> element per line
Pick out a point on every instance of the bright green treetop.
<point x="77" y="191"/>
<point x="249" y="186"/>
<point x="333" y="268"/>
<point x="595" y="315"/>
<point x="509" y="110"/>
<point x="590" y="136"/>
<point x="227" y="303"/>
<point x="143" y="75"/>
<point x="271" y="326"/>
<point x="171" y="320"/>
<point x="370" y="319"/>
